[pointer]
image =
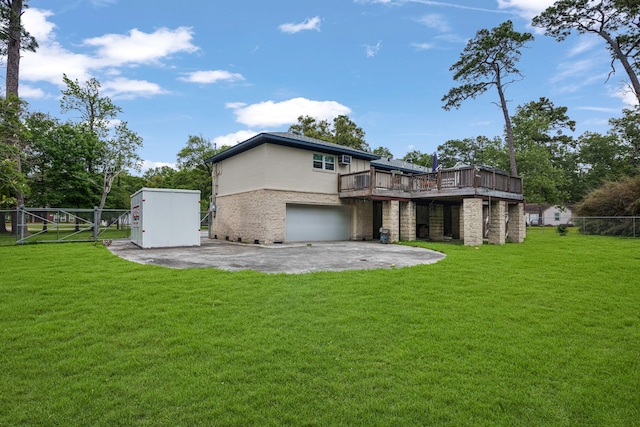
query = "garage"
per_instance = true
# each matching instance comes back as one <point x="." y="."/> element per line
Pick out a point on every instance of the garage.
<point x="317" y="223"/>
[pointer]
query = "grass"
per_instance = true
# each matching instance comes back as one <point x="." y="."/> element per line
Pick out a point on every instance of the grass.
<point x="65" y="233"/>
<point x="543" y="333"/>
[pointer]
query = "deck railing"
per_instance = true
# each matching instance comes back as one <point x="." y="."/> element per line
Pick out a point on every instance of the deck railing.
<point x="448" y="179"/>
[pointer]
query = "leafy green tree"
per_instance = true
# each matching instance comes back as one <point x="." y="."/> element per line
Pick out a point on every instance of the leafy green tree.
<point x="601" y="160"/>
<point x="13" y="185"/>
<point x="627" y="130"/>
<point x="545" y="152"/>
<point x="313" y="128"/>
<point x="383" y="152"/>
<point x="160" y="177"/>
<point x="14" y="39"/>
<point x="418" y="158"/>
<point x="343" y="131"/>
<point x="489" y="60"/>
<point x="474" y="151"/>
<point x="123" y="187"/>
<point x="615" y="21"/>
<point x="57" y="163"/>
<point x="116" y="146"/>
<point x="193" y="171"/>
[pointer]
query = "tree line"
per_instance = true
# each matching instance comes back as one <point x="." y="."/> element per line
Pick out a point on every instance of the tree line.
<point x="47" y="162"/>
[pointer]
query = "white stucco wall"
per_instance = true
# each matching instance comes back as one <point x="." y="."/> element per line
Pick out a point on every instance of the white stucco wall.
<point x="276" y="167"/>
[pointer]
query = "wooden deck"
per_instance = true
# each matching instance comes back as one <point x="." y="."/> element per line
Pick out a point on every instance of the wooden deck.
<point x="458" y="183"/>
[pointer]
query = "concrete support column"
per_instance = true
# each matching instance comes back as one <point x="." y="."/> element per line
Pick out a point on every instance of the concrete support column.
<point x="472" y="222"/>
<point x="436" y="222"/>
<point x="408" y="221"/>
<point x="391" y="219"/>
<point x="497" y="225"/>
<point x="362" y="219"/>
<point x="517" y="225"/>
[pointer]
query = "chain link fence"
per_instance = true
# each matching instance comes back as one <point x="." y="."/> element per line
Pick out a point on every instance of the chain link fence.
<point x="623" y="226"/>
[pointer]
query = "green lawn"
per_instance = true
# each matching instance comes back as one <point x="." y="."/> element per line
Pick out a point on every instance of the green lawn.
<point x="543" y="333"/>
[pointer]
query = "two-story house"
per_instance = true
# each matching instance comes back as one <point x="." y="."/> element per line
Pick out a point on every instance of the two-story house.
<point x="286" y="187"/>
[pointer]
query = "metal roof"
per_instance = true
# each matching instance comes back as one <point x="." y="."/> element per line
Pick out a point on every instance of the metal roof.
<point x="401" y="165"/>
<point x="290" y="139"/>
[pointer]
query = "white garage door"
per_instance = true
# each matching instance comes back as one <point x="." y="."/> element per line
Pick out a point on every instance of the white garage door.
<point x="316" y="223"/>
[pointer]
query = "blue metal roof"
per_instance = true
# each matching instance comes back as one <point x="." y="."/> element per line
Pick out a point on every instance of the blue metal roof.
<point x="290" y="139"/>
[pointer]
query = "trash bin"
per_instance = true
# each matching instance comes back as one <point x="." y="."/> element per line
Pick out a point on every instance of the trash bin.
<point x="384" y="235"/>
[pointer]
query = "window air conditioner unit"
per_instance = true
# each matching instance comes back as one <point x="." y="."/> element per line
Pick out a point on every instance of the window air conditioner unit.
<point x="344" y="159"/>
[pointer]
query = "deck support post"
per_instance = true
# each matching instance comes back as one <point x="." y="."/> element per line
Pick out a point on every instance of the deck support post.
<point x="391" y="219"/>
<point x="517" y="224"/>
<point x="472" y="222"/>
<point x="408" y="221"/>
<point x="497" y="225"/>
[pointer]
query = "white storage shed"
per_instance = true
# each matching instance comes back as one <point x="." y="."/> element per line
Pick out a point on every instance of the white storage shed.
<point x="162" y="217"/>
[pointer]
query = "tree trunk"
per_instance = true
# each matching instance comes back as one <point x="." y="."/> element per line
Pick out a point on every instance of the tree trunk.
<point x="3" y="223"/>
<point x="11" y="83"/>
<point x="624" y="60"/>
<point x="507" y="123"/>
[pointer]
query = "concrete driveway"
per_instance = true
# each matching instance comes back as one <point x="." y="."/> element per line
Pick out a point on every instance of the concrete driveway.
<point x="280" y="258"/>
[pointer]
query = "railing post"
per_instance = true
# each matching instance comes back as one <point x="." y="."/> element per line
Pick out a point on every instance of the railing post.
<point x="372" y="179"/>
<point x="439" y="180"/>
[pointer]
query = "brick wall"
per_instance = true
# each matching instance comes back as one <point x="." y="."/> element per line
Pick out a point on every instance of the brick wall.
<point x="260" y="215"/>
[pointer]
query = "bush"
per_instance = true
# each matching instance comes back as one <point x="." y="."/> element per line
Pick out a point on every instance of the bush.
<point x="562" y="229"/>
<point x="621" y="198"/>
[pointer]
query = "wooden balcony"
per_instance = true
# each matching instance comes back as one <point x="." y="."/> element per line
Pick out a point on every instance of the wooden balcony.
<point x="472" y="181"/>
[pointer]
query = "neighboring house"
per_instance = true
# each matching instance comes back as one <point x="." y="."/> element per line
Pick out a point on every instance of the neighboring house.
<point x="548" y="214"/>
<point x="286" y="187"/>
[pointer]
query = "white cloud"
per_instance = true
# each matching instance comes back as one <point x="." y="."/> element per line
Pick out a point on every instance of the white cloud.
<point x="423" y="46"/>
<point x="139" y="47"/>
<point x="150" y="164"/>
<point x="526" y="8"/>
<point x="269" y="113"/>
<point x="436" y="22"/>
<point x="626" y="94"/>
<point x="455" y="6"/>
<point x="122" y="88"/>
<point x="27" y="91"/>
<point x="373" y="1"/>
<point x="52" y="60"/>
<point x="308" y="24"/>
<point x="233" y="138"/>
<point x="372" y="51"/>
<point x="212" y="76"/>
<point x="584" y="44"/>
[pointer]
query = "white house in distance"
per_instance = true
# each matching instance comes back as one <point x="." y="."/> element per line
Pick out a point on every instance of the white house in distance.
<point x="548" y="214"/>
<point x="286" y="187"/>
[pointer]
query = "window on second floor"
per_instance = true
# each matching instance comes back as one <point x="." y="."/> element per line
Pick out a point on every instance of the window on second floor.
<point x="324" y="162"/>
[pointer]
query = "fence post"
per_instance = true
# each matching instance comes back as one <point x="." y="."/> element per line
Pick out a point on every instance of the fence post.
<point x="21" y="224"/>
<point x="96" y="223"/>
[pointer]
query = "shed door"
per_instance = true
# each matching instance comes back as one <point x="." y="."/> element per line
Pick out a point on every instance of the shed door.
<point x="316" y="223"/>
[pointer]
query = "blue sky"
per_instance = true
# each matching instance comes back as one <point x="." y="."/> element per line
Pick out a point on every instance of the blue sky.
<point x="228" y="69"/>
